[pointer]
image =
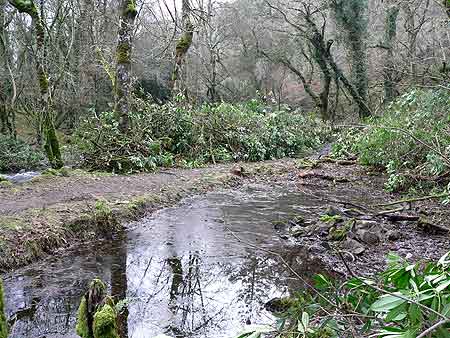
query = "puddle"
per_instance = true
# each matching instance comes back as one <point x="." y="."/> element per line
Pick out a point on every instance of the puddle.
<point x="183" y="271"/>
<point x="21" y="177"/>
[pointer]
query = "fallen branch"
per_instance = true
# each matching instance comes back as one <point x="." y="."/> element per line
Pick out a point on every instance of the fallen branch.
<point x="340" y="162"/>
<point x="410" y="200"/>
<point x="309" y="174"/>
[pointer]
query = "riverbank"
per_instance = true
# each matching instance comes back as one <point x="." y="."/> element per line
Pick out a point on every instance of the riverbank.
<point x="51" y="213"/>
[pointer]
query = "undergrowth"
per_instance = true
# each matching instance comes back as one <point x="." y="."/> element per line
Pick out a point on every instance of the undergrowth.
<point x="404" y="301"/>
<point x="17" y="155"/>
<point x="182" y="135"/>
<point x="411" y="141"/>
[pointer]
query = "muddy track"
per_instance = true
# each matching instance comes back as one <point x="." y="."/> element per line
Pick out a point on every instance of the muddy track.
<point x="46" y="192"/>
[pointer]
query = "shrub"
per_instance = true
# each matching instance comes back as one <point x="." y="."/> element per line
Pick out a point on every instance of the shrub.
<point x="410" y="141"/>
<point x="16" y="155"/>
<point x="175" y="134"/>
<point x="402" y="302"/>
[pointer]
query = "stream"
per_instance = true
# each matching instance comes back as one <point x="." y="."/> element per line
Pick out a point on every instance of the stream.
<point x="183" y="270"/>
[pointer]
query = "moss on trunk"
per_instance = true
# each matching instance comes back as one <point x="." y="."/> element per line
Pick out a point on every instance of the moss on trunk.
<point x="124" y="50"/>
<point x="3" y="321"/>
<point x="52" y="147"/>
<point x="97" y="316"/>
<point x="105" y="322"/>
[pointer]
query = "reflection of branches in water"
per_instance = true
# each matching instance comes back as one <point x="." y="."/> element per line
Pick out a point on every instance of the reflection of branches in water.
<point x="45" y="317"/>
<point x="257" y="275"/>
<point x="184" y="301"/>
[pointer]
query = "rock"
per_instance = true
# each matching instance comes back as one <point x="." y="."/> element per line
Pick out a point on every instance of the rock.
<point x="333" y="211"/>
<point x="370" y="237"/>
<point x="297" y="231"/>
<point x="322" y="228"/>
<point x="368" y="232"/>
<point x="363" y="224"/>
<point x="353" y="246"/>
<point x="393" y="235"/>
<point x="317" y="249"/>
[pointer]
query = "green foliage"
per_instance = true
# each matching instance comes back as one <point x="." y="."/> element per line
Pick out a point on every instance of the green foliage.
<point x="16" y="155"/>
<point x="171" y="134"/>
<point x="408" y="299"/>
<point x="411" y="139"/>
<point x="3" y="321"/>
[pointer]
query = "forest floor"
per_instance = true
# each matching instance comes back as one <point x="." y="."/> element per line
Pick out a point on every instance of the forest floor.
<point x="51" y="213"/>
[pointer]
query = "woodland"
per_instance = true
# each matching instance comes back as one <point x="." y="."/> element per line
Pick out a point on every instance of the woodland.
<point x="122" y="90"/>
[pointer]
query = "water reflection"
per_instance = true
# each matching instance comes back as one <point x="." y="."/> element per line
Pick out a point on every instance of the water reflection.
<point x="182" y="271"/>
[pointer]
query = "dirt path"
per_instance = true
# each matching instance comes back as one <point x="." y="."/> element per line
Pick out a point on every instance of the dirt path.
<point x="46" y="192"/>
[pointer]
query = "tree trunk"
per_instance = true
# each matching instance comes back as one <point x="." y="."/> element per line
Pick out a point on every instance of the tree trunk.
<point x="6" y="114"/>
<point x="351" y="18"/>
<point x="181" y="49"/>
<point x="51" y="146"/>
<point x="410" y="25"/>
<point x="128" y="13"/>
<point x="3" y="321"/>
<point x="390" y="91"/>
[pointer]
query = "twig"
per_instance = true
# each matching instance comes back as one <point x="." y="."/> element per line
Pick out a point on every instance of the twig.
<point x="433" y="328"/>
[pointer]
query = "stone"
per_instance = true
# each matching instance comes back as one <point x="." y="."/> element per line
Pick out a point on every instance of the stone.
<point x="333" y="211"/>
<point x="353" y="246"/>
<point x="297" y="231"/>
<point x="393" y="235"/>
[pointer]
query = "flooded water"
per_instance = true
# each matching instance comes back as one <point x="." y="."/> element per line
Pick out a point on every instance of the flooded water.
<point x="182" y="270"/>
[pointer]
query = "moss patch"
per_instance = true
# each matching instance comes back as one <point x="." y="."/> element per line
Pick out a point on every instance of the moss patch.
<point x="105" y="323"/>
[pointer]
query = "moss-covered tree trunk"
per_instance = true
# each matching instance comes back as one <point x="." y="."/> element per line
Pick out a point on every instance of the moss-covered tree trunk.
<point x="97" y="316"/>
<point x="351" y="19"/>
<point x="128" y="13"/>
<point x="182" y="47"/>
<point x="3" y="321"/>
<point x="447" y="7"/>
<point x="390" y="91"/>
<point x="7" y="120"/>
<point x="52" y="147"/>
